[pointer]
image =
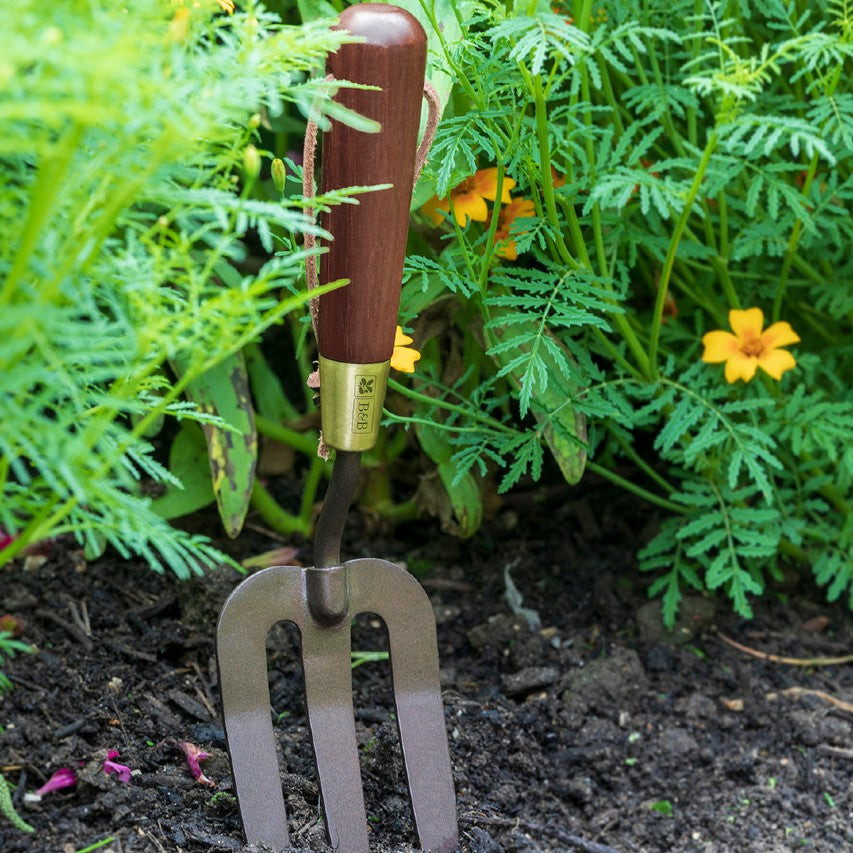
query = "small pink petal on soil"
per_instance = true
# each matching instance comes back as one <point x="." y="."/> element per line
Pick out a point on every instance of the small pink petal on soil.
<point x="65" y="777"/>
<point x="195" y="755"/>
<point x="120" y="770"/>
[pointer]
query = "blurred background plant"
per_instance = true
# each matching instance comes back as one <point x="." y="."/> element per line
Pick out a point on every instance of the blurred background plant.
<point x="610" y="181"/>
<point x="128" y="291"/>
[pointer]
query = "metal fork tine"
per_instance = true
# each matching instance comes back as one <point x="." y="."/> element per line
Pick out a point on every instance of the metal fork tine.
<point x="393" y="594"/>
<point x="246" y="619"/>
<point x="420" y="718"/>
<point x="328" y="691"/>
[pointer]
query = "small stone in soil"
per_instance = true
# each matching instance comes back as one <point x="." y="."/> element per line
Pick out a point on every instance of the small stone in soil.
<point x="528" y="679"/>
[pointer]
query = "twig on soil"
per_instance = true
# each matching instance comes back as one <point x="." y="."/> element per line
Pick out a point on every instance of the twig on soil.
<point x="203" y="692"/>
<point x="68" y="627"/>
<point x="820" y="694"/>
<point x="147" y="834"/>
<point x="565" y="837"/>
<point x="128" y="651"/>
<point x="79" y="614"/>
<point x="828" y="749"/>
<point x="190" y="706"/>
<point x="446" y="583"/>
<point x="65" y="731"/>
<point x="788" y="661"/>
<point x="276" y="537"/>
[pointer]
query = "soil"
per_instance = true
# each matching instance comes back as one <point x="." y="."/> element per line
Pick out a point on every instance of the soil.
<point x="574" y="721"/>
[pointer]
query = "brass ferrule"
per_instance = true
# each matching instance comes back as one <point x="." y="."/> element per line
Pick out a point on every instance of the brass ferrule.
<point x="351" y="398"/>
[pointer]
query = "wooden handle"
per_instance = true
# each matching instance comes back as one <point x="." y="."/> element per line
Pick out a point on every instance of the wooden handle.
<point x="356" y="323"/>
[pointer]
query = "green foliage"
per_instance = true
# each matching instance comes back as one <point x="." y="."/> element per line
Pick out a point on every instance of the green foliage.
<point x="7" y="808"/>
<point x="682" y="160"/>
<point x="8" y="648"/>
<point x="126" y="203"/>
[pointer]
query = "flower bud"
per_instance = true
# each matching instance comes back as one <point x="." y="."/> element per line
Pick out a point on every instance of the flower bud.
<point x="278" y="174"/>
<point x="251" y="162"/>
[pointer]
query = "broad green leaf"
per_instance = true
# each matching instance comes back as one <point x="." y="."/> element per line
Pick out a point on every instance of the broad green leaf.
<point x="188" y="462"/>
<point x="562" y="427"/>
<point x="443" y="12"/>
<point x="463" y="492"/>
<point x="268" y="395"/>
<point x="232" y="450"/>
<point x="311" y="10"/>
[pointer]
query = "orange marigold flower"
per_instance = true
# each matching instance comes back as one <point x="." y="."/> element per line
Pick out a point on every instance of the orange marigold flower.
<point x="749" y="347"/>
<point x="469" y="197"/>
<point x="404" y="356"/>
<point x="516" y="209"/>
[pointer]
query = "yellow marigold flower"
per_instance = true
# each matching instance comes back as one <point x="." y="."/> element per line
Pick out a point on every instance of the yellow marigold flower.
<point x="404" y="357"/>
<point x="749" y="347"/>
<point x="517" y="208"/>
<point x="179" y="25"/>
<point x="469" y="197"/>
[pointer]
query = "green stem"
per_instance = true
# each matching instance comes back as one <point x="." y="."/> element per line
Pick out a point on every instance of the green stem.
<point x="669" y="262"/>
<point x="789" y="549"/>
<point x="448" y="407"/>
<point x="793" y="240"/>
<point x="641" y="463"/>
<point x="607" y="88"/>
<point x="312" y="484"/>
<point x="651" y="497"/>
<point x="397" y="513"/>
<point x="7" y="808"/>
<point x="278" y="519"/>
<point x="608" y="346"/>
<point x="488" y="252"/>
<point x="534" y="85"/>
<point x="301" y="441"/>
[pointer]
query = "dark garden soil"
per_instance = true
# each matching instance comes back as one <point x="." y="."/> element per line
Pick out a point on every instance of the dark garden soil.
<point x="592" y="731"/>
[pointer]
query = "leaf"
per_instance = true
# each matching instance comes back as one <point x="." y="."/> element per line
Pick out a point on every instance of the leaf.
<point x="188" y="463"/>
<point x="548" y="389"/>
<point x="463" y="493"/>
<point x="311" y="10"/>
<point x="437" y="73"/>
<point x="232" y="450"/>
<point x="267" y="393"/>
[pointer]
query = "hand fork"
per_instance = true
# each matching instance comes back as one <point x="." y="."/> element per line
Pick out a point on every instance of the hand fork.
<point x="355" y="331"/>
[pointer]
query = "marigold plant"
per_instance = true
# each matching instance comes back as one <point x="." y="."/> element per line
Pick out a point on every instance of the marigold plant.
<point x="611" y="188"/>
<point x="129" y="153"/>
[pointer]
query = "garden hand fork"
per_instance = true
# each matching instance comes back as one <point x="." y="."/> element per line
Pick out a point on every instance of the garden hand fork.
<point x="355" y="331"/>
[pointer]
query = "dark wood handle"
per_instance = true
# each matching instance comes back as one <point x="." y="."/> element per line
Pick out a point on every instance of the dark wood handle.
<point x="356" y="323"/>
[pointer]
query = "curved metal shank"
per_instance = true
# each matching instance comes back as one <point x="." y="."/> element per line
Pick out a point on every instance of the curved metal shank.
<point x="282" y="593"/>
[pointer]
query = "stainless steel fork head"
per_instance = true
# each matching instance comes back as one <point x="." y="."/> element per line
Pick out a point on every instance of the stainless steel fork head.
<point x="283" y="593"/>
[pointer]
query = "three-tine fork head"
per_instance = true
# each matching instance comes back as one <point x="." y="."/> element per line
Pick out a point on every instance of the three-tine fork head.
<point x="284" y="593"/>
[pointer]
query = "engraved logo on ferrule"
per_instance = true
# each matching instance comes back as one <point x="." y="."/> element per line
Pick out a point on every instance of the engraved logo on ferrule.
<point x="364" y="405"/>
